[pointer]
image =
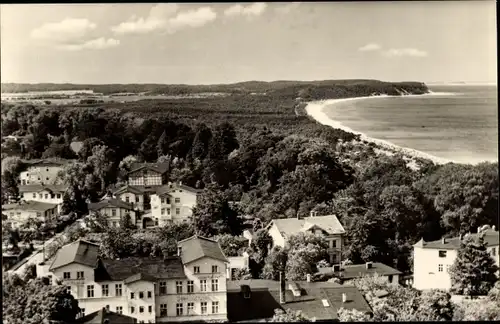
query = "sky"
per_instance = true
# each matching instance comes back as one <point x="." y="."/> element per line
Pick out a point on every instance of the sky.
<point x="438" y="41"/>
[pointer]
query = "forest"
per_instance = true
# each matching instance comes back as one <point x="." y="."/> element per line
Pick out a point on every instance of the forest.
<point x="255" y="155"/>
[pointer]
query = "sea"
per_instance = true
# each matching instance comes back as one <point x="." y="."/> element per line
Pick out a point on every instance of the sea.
<point x="455" y="122"/>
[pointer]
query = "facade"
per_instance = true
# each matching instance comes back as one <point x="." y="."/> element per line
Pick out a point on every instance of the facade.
<point x="52" y="194"/>
<point x="237" y="263"/>
<point x="328" y="227"/>
<point x="173" y="203"/>
<point x="148" y="174"/>
<point x="431" y="260"/>
<point x="136" y="196"/>
<point x="42" y="171"/>
<point x="114" y="210"/>
<point x="188" y="287"/>
<point x="347" y="273"/>
<point x="19" y="213"/>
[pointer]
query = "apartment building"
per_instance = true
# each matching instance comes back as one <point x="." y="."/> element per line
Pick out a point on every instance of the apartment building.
<point x="114" y="210"/>
<point x="19" y="213"/>
<point x="188" y="287"/>
<point x="44" y="171"/>
<point x="431" y="260"/>
<point x="173" y="203"/>
<point x="327" y="226"/>
<point x="148" y="174"/>
<point x="52" y="194"/>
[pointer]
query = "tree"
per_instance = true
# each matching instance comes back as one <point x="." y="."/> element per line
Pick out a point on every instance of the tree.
<point x="494" y="293"/>
<point x="352" y="315"/>
<point x="477" y="310"/>
<point x="435" y="305"/>
<point x="288" y="316"/>
<point x="231" y="245"/>
<point x="275" y="263"/>
<point x="199" y="149"/>
<point x="87" y="147"/>
<point x="126" y="222"/>
<point x="473" y="271"/>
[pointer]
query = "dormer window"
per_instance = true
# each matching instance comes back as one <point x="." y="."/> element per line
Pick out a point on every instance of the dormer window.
<point x="245" y="290"/>
<point x="442" y="254"/>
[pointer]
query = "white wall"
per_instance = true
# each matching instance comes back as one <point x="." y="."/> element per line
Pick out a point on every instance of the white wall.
<point x="278" y="239"/>
<point x="136" y="200"/>
<point x="119" y="213"/>
<point x="39" y="174"/>
<point x="17" y="217"/>
<point x="187" y="203"/>
<point x="46" y="197"/>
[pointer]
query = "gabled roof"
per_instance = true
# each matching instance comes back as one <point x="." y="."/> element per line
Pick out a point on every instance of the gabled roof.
<point x="491" y="237"/>
<point x="81" y="252"/>
<point x="155" y="167"/>
<point x="353" y="271"/>
<point x="135" y="268"/>
<point x="30" y="205"/>
<point x="129" y="188"/>
<point x="102" y="315"/>
<point x="292" y="226"/>
<point x="166" y="189"/>
<point x="110" y="202"/>
<point x="57" y="188"/>
<point x="48" y="162"/>
<point x="264" y="299"/>
<point x="197" y="247"/>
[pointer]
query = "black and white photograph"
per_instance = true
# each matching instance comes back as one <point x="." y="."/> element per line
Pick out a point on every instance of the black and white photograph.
<point x="249" y="162"/>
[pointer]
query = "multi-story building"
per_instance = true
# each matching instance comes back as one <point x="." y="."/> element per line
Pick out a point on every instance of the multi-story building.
<point x="328" y="227"/>
<point x="19" y="213"/>
<point x="114" y="210"/>
<point x="148" y="174"/>
<point x="42" y="171"/>
<point x="52" y="194"/>
<point x="347" y="273"/>
<point x="137" y="196"/>
<point x="431" y="260"/>
<point x="173" y="203"/>
<point x="188" y="287"/>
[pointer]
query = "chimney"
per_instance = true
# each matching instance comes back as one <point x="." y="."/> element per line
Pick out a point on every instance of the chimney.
<point x="344" y="297"/>
<point x="179" y="251"/>
<point x="443" y="240"/>
<point x="282" y="287"/>
<point x="308" y="276"/>
<point x="180" y="183"/>
<point x="336" y="268"/>
<point x="369" y="265"/>
<point x="479" y="229"/>
<point x="461" y="237"/>
<point x="493" y="228"/>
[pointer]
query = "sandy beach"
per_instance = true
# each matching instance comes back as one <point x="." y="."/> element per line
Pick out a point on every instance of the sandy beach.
<point x="315" y="110"/>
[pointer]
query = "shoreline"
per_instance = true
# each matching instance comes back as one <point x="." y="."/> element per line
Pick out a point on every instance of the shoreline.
<point x="314" y="109"/>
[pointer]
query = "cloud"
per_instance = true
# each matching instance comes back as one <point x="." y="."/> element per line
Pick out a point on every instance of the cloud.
<point x="370" y="47"/>
<point x="254" y="9"/>
<point x="67" y="30"/>
<point x="93" y="44"/>
<point x="284" y="9"/>
<point x="166" y="17"/>
<point x="396" y="52"/>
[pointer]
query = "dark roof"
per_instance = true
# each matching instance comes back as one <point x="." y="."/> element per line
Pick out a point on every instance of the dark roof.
<point x="292" y="226"/>
<point x="55" y="162"/>
<point x="491" y="237"/>
<point x="166" y="189"/>
<point x="353" y="271"/>
<point x="30" y="205"/>
<point x="155" y="167"/>
<point x="135" y="268"/>
<point x="100" y="316"/>
<point x="80" y="251"/>
<point x="197" y="247"/>
<point x="110" y="202"/>
<point x="129" y="188"/>
<point x="264" y="299"/>
<point x="39" y="187"/>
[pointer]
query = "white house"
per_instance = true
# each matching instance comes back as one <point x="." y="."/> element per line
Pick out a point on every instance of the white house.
<point x="431" y="260"/>
<point x="114" y="210"/>
<point x="148" y="174"/>
<point x="42" y="171"/>
<point x="134" y="195"/>
<point x="173" y="202"/>
<point x="52" y="194"/>
<point x="328" y="227"/>
<point x="354" y="271"/>
<point x="187" y="287"/>
<point x="19" y="213"/>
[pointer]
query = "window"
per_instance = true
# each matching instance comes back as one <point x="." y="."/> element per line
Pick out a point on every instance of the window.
<point x="163" y="200"/>
<point x="47" y="178"/>
<point x="47" y="171"/>
<point x="203" y="307"/>
<point x="178" y="285"/>
<point x="440" y="267"/>
<point x="177" y="211"/>
<point x="215" y="307"/>
<point x="215" y="284"/>
<point x="34" y="195"/>
<point x="390" y="278"/>
<point x="150" y="294"/>
<point x="37" y="214"/>
<point x="180" y="309"/>
<point x="203" y="285"/>
<point x="132" y="295"/>
<point x="80" y="275"/>
<point x="163" y="211"/>
<point x="157" y="222"/>
<point x="163" y="287"/>
<point x="105" y="290"/>
<point x="150" y="309"/>
<point x="127" y="199"/>
<point x="132" y="310"/>
<point x="168" y="201"/>
<point x="58" y="196"/>
<point x="177" y="200"/>
<point x="163" y="309"/>
<point x="40" y="195"/>
<point x="442" y="254"/>
<point x="136" y="199"/>
<point x="215" y="269"/>
<point x="190" y="286"/>
<point x="141" y="294"/>
<point x="82" y="311"/>
<point x="168" y="211"/>
<point x="196" y="269"/>
<point x="46" y="196"/>
<point x="113" y="212"/>
<point x="67" y="275"/>
<point x="141" y="309"/>
<point x="118" y="289"/>
<point x="50" y="279"/>
<point x="90" y="291"/>
<point x="115" y="224"/>
<point x="190" y="309"/>
<point x="334" y="244"/>
<point x="52" y="196"/>
<point x="493" y="252"/>
<point x="119" y="309"/>
<point x="107" y="308"/>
